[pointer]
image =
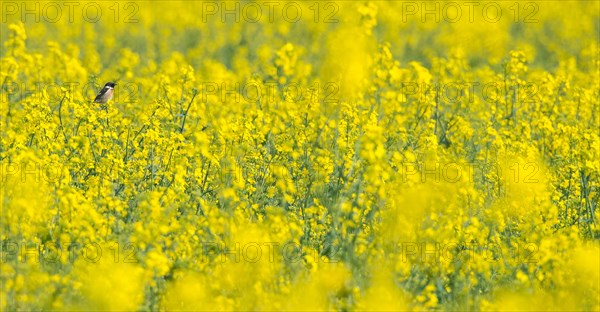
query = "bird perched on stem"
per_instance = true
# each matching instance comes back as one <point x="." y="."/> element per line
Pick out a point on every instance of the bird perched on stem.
<point x="106" y="93"/>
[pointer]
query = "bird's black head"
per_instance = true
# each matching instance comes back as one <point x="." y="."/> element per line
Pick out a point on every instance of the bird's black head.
<point x="110" y="84"/>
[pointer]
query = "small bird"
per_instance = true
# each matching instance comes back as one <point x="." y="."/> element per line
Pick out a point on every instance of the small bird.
<point x="106" y="93"/>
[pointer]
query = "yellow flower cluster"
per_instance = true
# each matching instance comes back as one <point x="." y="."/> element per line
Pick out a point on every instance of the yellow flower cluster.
<point x="260" y="155"/>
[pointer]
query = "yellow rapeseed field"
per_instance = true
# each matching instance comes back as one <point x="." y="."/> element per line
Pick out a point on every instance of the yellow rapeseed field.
<point x="300" y="155"/>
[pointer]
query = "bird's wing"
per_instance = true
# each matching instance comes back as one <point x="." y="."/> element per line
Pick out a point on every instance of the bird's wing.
<point x="102" y="92"/>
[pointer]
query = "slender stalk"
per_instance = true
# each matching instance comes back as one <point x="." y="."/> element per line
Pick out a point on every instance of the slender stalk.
<point x="186" y="112"/>
<point x="62" y="129"/>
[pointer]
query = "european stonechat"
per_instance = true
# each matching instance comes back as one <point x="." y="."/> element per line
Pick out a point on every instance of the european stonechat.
<point x="106" y="93"/>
